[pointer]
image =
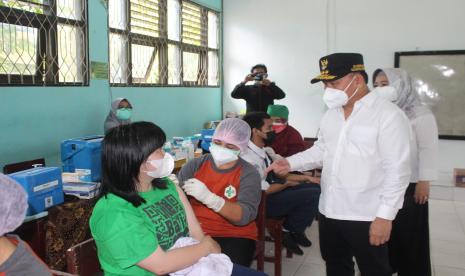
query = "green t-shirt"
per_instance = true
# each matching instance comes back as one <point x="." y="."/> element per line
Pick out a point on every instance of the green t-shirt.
<point x="125" y="235"/>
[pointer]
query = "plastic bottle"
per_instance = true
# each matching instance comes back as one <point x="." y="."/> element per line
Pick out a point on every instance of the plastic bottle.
<point x="189" y="148"/>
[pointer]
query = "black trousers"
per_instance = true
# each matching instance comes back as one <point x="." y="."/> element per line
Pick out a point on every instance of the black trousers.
<point x="341" y="240"/>
<point x="239" y="250"/>
<point x="409" y="251"/>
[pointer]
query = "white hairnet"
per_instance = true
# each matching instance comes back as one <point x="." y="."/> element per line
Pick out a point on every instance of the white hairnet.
<point x="407" y="99"/>
<point x="233" y="131"/>
<point x="13" y="204"/>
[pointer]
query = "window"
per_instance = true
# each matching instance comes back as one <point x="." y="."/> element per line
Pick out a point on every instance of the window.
<point x="43" y="42"/>
<point x="163" y="43"/>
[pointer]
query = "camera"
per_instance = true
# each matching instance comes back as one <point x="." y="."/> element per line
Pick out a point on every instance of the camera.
<point x="259" y="76"/>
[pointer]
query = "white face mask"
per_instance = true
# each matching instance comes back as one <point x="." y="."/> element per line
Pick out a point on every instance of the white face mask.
<point x="163" y="167"/>
<point x="334" y="98"/>
<point x="386" y="92"/>
<point x="222" y="155"/>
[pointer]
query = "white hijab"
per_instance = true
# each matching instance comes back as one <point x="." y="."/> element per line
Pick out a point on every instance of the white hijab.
<point x="407" y="99"/>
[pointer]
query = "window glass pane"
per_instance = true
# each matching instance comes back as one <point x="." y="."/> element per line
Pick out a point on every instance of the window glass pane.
<point x="117" y="14"/>
<point x="69" y="9"/>
<point x="18" y="54"/>
<point x="145" y="17"/>
<point x="118" y="59"/>
<point x="36" y="6"/>
<point x="52" y="48"/>
<point x="212" y="68"/>
<point x="190" y="66"/>
<point x="162" y="34"/>
<point x="70" y="56"/>
<point x="174" y="18"/>
<point x="192" y="32"/>
<point x="213" y="30"/>
<point x="174" y="65"/>
<point x="145" y="63"/>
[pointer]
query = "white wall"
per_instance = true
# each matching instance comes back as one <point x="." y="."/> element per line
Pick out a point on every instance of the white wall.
<point x="290" y="37"/>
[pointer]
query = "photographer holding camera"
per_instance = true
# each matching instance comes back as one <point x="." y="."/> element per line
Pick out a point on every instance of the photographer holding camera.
<point x="259" y="95"/>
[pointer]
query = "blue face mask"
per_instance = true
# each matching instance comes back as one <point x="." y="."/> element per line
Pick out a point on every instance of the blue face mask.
<point x="123" y="113"/>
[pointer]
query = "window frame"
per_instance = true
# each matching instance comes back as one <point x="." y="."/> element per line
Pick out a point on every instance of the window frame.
<point x="47" y="46"/>
<point x="162" y="43"/>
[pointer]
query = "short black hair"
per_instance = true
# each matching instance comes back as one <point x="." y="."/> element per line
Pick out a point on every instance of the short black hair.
<point x="255" y="119"/>
<point x="259" y="66"/>
<point x="124" y="149"/>
<point x="376" y="73"/>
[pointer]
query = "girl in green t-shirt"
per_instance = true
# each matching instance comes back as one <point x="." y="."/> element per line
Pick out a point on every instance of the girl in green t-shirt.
<point x="141" y="213"/>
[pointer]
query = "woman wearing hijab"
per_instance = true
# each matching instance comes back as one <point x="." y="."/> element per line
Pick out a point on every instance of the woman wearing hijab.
<point x="409" y="244"/>
<point x="120" y="114"/>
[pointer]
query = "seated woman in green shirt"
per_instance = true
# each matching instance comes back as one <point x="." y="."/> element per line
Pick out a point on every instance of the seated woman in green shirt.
<point x="141" y="213"/>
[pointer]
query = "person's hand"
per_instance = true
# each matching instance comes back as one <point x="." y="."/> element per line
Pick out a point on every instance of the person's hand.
<point x="312" y="179"/>
<point x="248" y="78"/>
<point x="280" y="167"/>
<point x="211" y="245"/>
<point x="380" y="231"/>
<point x="266" y="82"/>
<point x="199" y="191"/>
<point x="421" y="192"/>
<point x="292" y="183"/>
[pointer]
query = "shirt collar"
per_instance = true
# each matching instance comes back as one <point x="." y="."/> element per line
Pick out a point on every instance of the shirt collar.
<point x="368" y="99"/>
<point x="259" y="151"/>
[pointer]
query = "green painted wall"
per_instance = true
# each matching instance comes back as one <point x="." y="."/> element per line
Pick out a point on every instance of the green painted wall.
<point x="37" y="119"/>
<point x="212" y="4"/>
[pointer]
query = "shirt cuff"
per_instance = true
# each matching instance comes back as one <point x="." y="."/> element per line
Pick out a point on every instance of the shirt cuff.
<point x="386" y="212"/>
<point x="294" y="162"/>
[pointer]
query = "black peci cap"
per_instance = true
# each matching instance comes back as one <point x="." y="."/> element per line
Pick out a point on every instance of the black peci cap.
<point x="338" y="65"/>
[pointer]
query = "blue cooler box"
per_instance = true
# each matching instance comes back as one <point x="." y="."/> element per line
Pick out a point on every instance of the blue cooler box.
<point x="83" y="154"/>
<point x="206" y="136"/>
<point x="43" y="186"/>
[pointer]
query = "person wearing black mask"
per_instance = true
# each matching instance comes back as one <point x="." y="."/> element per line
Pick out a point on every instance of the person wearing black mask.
<point x="261" y="94"/>
<point x="294" y="197"/>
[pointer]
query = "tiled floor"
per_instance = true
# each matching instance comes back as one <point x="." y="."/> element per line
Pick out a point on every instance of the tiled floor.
<point x="447" y="234"/>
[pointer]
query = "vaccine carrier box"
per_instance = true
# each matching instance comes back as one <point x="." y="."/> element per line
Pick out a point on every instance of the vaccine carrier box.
<point x="206" y="136"/>
<point x="43" y="186"/>
<point x="83" y="155"/>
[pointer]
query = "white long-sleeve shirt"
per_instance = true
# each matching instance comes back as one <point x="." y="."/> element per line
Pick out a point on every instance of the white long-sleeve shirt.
<point x="256" y="156"/>
<point x="424" y="147"/>
<point x="365" y="160"/>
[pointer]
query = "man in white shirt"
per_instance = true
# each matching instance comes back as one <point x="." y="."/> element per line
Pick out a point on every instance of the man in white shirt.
<point x="294" y="197"/>
<point x="363" y="147"/>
